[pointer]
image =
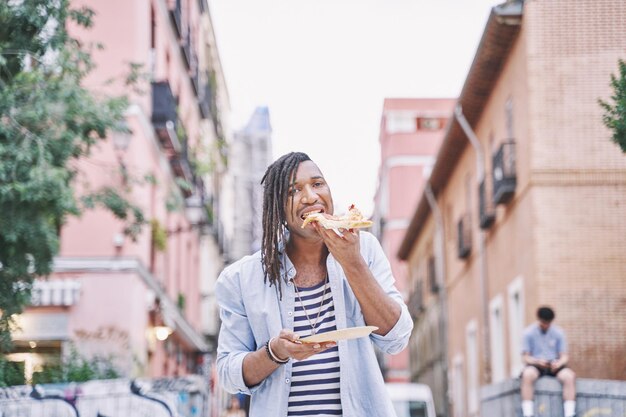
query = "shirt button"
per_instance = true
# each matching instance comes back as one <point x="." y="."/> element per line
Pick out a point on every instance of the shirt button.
<point x="290" y="313"/>
<point x="287" y="381"/>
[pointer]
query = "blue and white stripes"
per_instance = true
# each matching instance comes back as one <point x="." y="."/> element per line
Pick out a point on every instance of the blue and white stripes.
<point x="315" y="381"/>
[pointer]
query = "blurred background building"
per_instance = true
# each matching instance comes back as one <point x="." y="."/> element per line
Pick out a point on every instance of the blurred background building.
<point x="251" y="154"/>
<point x="148" y="303"/>
<point x="488" y="206"/>
<point x="524" y="205"/>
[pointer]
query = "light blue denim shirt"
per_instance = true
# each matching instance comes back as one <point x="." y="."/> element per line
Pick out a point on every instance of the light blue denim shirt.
<point x="251" y="313"/>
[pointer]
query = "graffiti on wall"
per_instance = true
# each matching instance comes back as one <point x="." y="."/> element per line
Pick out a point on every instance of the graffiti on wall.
<point x="167" y="397"/>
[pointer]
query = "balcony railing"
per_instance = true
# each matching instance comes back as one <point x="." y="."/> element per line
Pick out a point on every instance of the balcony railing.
<point x="63" y="292"/>
<point x="207" y="100"/>
<point x="487" y="208"/>
<point x="202" y="5"/>
<point x="194" y="75"/>
<point x="204" y="100"/>
<point x="164" y="117"/>
<point x="182" y="169"/>
<point x="504" y="176"/>
<point x="187" y="47"/>
<point x="176" y="15"/>
<point x="464" y="236"/>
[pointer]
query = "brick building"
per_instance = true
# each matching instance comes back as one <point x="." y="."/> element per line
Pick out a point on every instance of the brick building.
<point x="528" y="195"/>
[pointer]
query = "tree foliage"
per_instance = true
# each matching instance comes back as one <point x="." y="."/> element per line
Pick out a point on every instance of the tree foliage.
<point x="615" y="113"/>
<point x="47" y="122"/>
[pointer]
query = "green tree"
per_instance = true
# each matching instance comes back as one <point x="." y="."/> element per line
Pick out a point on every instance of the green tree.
<point x="47" y="122"/>
<point x="615" y="113"/>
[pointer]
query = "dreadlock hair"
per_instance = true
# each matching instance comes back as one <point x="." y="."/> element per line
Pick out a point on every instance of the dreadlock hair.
<point x="276" y="183"/>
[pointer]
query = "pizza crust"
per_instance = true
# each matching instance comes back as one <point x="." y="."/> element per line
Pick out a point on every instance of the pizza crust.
<point x="351" y="220"/>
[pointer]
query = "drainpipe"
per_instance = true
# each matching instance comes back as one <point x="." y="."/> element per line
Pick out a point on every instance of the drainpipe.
<point x="482" y="253"/>
<point x="443" y="292"/>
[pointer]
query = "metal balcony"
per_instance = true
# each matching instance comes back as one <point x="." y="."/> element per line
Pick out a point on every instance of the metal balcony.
<point x="176" y="16"/>
<point x="164" y="117"/>
<point x="207" y="99"/>
<point x="504" y="176"/>
<point x="487" y="209"/>
<point x="464" y="238"/>
<point x="204" y="100"/>
<point x="182" y="169"/>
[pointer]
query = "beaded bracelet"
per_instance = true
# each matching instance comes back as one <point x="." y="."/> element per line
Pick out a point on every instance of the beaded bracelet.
<point x="271" y="354"/>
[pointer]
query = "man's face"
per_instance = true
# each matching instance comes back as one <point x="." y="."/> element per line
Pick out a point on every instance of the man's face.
<point x="544" y="325"/>
<point x="308" y="192"/>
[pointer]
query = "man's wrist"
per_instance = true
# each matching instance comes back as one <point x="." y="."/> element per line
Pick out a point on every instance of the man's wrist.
<point x="273" y="357"/>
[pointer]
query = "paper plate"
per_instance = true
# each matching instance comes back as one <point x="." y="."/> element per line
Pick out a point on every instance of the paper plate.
<point x="343" y="334"/>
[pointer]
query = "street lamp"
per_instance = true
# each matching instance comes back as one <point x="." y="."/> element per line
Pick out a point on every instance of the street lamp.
<point x="162" y="332"/>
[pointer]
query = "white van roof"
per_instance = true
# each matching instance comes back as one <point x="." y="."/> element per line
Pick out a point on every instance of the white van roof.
<point x="409" y="391"/>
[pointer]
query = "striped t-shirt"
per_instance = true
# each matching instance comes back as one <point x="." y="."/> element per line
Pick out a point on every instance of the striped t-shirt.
<point x="315" y="381"/>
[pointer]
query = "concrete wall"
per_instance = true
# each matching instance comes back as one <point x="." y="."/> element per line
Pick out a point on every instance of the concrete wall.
<point x="594" y="398"/>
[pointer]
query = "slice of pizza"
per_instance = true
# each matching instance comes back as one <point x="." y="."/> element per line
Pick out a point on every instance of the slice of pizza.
<point x="353" y="219"/>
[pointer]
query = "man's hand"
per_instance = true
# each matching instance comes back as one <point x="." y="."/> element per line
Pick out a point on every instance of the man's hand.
<point x="345" y="249"/>
<point x="378" y="308"/>
<point x="554" y="365"/>
<point x="288" y="345"/>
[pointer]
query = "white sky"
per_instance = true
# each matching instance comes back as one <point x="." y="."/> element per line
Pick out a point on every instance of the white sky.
<point x="323" y="67"/>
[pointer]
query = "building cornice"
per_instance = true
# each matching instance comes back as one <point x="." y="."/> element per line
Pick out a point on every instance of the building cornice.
<point x="117" y="265"/>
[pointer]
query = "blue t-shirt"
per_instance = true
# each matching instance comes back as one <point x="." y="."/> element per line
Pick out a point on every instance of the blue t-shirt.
<point x="548" y="346"/>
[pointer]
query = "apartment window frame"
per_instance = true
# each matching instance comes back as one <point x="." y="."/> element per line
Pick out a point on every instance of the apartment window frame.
<point x="473" y="382"/>
<point x="496" y="335"/>
<point x="458" y="386"/>
<point x="516" y="325"/>
<point x="397" y="122"/>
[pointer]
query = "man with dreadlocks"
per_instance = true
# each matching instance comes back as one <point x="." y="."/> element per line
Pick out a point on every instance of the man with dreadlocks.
<point x="306" y="281"/>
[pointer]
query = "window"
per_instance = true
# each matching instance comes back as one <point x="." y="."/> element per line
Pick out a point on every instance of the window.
<point x="471" y="345"/>
<point x="516" y="324"/>
<point x="497" y="339"/>
<point x="416" y="299"/>
<point x="432" y="275"/>
<point x="428" y="123"/>
<point x="400" y="123"/>
<point x="152" y="57"/>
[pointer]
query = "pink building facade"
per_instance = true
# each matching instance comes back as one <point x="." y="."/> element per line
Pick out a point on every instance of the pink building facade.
<point x="145" y="303"/>
<point x="410" y="135"/>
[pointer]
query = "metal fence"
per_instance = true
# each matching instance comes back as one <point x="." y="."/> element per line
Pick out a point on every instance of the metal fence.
<point x="180" y="397"/>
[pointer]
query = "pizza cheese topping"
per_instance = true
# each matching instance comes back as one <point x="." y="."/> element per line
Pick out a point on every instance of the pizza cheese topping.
<point x="353" y="219"/>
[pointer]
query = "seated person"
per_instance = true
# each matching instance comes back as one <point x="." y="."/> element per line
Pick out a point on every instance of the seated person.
<point x="545" y="354"/>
